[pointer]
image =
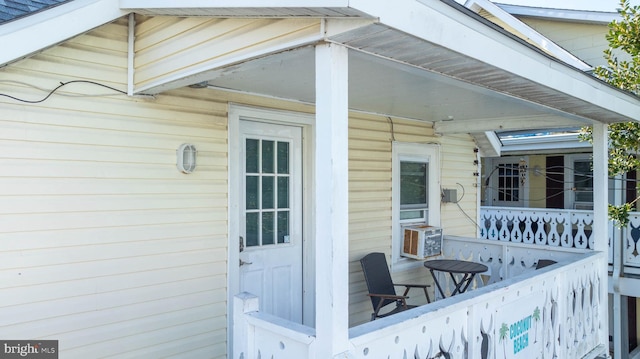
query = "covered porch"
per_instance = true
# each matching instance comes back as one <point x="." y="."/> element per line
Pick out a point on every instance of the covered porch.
<point x="429" y="62"/>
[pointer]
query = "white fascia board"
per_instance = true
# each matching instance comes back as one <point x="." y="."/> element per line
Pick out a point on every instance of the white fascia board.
<point x="446" y="26"/>
<point x="528" y="33"/>
<point x="494" y="142"/>
<point x="560" y="147"/>
<point x="507" y="124"/>
<point x="196" y="4"/>
<point x="546" y="143"/>
<point x="23" y="37"/>
<point x="600" y="17"/>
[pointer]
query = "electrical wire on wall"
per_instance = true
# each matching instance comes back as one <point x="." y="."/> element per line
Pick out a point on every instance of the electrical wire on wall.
<point x="393" y="133"/>
<point x="63" y="84"/>
<point x="457" y="203"/>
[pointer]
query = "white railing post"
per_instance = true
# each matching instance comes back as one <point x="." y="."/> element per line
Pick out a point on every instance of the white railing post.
<point x="243" y="332"/>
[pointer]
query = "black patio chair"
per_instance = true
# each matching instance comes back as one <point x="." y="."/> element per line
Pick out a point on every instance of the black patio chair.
<point x="381" y="287"/>
<point x="544" y="263"/>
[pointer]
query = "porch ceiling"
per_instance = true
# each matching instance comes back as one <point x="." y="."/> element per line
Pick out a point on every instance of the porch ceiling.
<point x="393" y="88"/>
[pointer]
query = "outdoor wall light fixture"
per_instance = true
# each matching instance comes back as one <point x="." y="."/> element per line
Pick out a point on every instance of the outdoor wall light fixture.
<point x="186" y="155"/>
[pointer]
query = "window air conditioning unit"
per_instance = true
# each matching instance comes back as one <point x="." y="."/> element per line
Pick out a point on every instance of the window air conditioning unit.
<point x="421" y="241"/>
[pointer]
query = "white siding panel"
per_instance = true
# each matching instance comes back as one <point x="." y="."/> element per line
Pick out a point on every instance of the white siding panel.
<point x="458" y="169"/>
<point x="104" y="245"/>
<point x="586" y="41"/>
<point x="370" y="201"/>
<point x="174" y="49"/>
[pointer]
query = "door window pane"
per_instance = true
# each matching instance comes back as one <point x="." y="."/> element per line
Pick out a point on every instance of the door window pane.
<point x="283" y="226"/>
<point x="252" y="192"/>
<point x="283" y="192"/>
<point x="267" y="192"/>
<point x="268" y="233"/>
<point x="267" y="156"/>
<point x="283" y="157"/>
<point x="252" y="152"/>
<point x="267" y="187"/>
<point x="252" y="226"/>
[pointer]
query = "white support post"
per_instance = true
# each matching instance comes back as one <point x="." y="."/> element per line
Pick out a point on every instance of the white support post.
<point x="243" y="333"/>
<point x="601" y="220"/>
<point x="131" y="54"/>
<point x="620" y="330"/>
<point x="332" y="201"/>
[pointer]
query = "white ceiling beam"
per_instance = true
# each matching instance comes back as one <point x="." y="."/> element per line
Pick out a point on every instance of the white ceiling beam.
<point x="505" y="124"/>
<point x="23" y="37"/>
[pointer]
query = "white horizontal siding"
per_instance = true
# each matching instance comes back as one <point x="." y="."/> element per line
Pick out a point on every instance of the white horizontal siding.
<point x="458" y="172"/>
<point x="370" y="201"/>
<point x="104" y="244"/>
<point x="586" y="41"/>
<point x="170" y="47"/>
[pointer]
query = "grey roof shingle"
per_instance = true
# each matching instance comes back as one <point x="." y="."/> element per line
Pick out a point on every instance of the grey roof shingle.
<point x="14" y="9"/>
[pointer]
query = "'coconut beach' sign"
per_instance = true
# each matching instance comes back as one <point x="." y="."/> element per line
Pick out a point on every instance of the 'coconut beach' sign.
<point x="519" y="328"/>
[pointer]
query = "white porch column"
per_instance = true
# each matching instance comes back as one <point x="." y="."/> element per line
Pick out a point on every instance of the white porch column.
<point x="332" y="201"/>
<point x="601" y="218"/>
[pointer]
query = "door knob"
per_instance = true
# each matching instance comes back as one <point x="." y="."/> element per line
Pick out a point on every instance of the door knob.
<point x="243" y="262"/>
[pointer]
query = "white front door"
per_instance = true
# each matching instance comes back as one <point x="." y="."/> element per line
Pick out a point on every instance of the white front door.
<point x="270" y="218"/>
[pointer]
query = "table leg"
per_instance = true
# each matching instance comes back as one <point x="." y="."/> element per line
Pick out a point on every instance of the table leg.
<point x="465" y="282"/>
<point x="457" y="284"/>
<point x="469" y="280"/>
<point x="435" y="280"/>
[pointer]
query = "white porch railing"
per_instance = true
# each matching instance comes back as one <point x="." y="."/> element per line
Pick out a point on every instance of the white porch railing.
<point x="260" y="335"/>
<point x="547" y="313"/>
<point x="552" y="227"/>
<point x="631" y="244"/>
<point x="559" y="228"/>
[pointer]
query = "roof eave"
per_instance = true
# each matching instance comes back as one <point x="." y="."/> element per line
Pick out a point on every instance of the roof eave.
<point x="47" y="28"/>
<point x="528" y="33"/>
<point x="242" y="8"/>
<point x="598" y="17"/>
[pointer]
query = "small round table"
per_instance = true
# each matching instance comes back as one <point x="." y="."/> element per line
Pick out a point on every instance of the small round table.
<point x="455" y="266"/>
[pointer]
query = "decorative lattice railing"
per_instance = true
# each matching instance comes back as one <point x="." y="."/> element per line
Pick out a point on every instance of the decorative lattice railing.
<point x="548" y="313"/>
<point x="560" y="228"/>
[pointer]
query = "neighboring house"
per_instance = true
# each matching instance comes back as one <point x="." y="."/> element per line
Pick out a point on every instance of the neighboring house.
<point x="552" y="169"/>
<point x="303" y="122"/>
<point x="577" y="37"/>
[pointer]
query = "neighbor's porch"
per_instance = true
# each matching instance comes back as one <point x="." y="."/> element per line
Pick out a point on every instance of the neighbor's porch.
<point x="551" y="312"/>
<point x="565" y="228"/>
